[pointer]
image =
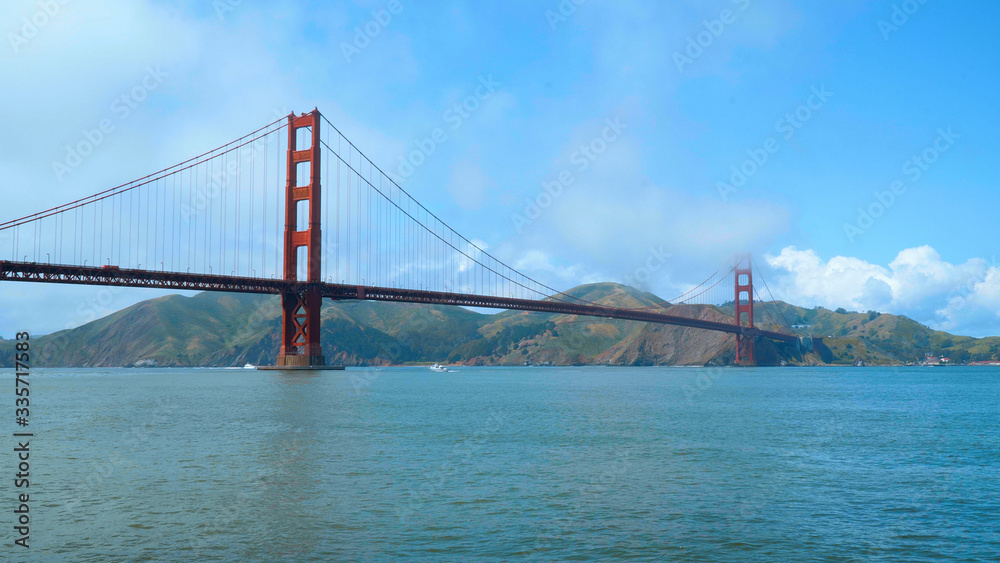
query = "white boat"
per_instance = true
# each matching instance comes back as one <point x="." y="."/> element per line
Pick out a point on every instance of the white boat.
<point x="438" y="368"/>
<point x="249" y="366"/>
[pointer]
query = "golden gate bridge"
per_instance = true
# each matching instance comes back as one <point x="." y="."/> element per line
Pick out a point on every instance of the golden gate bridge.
<point x="296" y="209"/>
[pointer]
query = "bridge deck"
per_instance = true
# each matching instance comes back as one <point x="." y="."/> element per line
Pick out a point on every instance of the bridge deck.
<point x="114" y="276"/>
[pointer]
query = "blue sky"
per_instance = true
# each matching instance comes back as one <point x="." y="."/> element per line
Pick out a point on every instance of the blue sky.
<point x="889" y="93"/>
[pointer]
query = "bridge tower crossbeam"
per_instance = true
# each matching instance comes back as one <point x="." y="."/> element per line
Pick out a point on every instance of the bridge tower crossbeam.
<point x="300" y="326"/>
<point x="745" y="348"/>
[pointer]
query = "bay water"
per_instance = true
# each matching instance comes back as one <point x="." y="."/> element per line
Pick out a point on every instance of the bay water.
<point x="539" y="463"/>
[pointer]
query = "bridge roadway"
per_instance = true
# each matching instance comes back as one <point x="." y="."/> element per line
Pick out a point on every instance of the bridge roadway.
<point x="114" y="276"/>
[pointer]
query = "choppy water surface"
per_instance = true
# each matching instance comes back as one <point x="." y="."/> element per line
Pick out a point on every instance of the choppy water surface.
<point x="542" y="463"/>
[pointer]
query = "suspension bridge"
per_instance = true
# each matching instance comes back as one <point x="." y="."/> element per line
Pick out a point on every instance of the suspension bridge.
<point x="296" y="209"/>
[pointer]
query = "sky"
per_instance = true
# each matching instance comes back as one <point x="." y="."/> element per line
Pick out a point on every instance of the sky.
<point x="844" y="144"/>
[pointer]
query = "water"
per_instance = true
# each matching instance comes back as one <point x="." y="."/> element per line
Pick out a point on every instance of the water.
<point x="541" y="463"/>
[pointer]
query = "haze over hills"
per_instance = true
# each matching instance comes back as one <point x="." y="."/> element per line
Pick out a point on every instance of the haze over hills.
<point x="220" y="329"/>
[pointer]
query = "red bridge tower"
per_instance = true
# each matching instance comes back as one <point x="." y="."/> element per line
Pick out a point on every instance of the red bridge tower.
<point x="745" y="353"/>
<point x="300" y="325"/>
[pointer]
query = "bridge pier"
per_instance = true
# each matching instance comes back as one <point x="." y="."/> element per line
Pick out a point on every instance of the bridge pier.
<point x="300" y="330"/>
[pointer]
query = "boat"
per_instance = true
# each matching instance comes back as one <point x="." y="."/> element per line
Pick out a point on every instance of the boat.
<point x="438" y="368"/>
<point x="249" y="366"/>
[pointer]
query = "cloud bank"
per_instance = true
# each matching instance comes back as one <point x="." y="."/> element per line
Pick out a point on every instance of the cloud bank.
<point x="917" y="283"/>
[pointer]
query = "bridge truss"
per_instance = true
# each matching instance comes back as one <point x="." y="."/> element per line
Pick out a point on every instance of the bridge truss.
<point x="297" y="210"/>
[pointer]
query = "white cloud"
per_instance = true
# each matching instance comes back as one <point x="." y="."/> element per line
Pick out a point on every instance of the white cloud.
<point x="230" y="76"/>
<point x="977" y="311"/>
<point x="840" y="282"/>
<point x="534" y="261"/>
<point x="964" y="298"/>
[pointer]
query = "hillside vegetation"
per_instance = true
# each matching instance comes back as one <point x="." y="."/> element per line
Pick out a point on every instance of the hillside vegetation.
<point x="218" y="329"/>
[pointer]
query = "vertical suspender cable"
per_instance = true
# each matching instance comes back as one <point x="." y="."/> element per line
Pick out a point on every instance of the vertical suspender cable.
<point x="239" y="208"/>
<point x="277" y="203"/>
<point x="101" y="251"/>
<point x="224" y="212"/>
<point x="336" y="274"/>
<point x="250" y="211"/>
<point x="263" y="229"/>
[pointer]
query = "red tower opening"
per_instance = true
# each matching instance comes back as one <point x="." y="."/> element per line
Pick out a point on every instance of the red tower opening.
<point x="745" y="352"/>
<point x="300" y="327"/>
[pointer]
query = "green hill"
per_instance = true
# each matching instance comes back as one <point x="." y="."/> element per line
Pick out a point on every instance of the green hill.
<point x="219" y="329"/>
<point x="876" y="337"/>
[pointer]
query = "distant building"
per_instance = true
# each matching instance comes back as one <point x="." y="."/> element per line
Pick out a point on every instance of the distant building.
<point x="930" y="360"/>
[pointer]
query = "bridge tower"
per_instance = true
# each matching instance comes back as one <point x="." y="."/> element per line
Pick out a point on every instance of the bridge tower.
<point x="300" y="325"/>
<point x="745" y="352"/>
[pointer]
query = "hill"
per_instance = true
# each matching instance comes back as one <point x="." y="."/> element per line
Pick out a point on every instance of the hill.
<point x="883" y="338"/>
<point x="218" y="329"/>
